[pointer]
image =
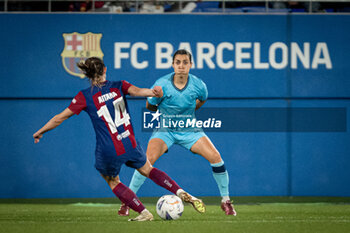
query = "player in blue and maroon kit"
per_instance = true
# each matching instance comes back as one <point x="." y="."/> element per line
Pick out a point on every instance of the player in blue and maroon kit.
<point x="116" y="145"/>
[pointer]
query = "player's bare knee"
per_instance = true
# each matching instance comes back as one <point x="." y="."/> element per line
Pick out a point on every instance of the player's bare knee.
<point x="144" y="172"/>
<point x="113" y="181"/>
<point x="215" y="157"/>
<point x="146" y="169"/>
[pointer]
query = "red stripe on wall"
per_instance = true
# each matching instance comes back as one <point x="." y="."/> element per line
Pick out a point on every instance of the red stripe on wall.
<point x="71" y="64"/>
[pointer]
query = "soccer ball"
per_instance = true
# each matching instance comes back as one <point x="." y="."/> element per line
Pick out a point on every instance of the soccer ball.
<point x="169" y="207"/>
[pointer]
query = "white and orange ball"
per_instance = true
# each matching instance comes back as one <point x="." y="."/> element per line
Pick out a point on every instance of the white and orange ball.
<point x="169" y="207"/>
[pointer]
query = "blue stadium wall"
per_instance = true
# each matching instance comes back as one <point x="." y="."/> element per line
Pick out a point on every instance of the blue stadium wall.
<point x="246" y="61"/>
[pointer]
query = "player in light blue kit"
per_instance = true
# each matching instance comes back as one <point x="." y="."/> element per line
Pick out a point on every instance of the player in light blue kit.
<point x="183" y="93"/>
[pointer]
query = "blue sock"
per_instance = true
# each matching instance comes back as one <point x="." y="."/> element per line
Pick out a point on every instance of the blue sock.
<point x="221" y="177"/>
<point x="136" y="181"/>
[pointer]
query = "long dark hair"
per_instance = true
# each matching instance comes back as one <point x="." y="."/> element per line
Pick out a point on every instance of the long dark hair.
<point x="93" y="69"/>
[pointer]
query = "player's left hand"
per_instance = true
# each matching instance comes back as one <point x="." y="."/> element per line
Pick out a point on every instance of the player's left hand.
<point x="158" y="91"/>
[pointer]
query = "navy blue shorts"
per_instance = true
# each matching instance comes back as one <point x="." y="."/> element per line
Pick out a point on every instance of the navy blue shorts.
<point x="110" y="165"/>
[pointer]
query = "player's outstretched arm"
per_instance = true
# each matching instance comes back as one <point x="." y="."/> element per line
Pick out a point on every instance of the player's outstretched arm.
<point x="145" y="92"/>
<point x="52" y="123"/>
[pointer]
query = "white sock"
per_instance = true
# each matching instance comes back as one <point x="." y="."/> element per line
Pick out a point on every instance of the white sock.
<point x="144" y="211"/>
<point x="225" y="199"/>
<point x="179" y="191"/>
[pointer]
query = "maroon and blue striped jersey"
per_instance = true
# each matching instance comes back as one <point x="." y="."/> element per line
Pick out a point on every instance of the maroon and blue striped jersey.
<point x="109" y="113"/>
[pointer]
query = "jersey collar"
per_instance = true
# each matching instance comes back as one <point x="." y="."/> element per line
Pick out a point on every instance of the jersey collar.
<point x="181" y="90"/>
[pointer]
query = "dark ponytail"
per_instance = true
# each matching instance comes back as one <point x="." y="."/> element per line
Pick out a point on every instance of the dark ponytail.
<point x="93" y="69"/>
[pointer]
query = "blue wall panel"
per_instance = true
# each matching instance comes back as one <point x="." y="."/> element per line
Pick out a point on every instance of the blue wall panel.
<point x="320" y="161"/>
<point x="36" y="87"/>
<point x="322" y="82"/>
<point x="33" y="53"/>
<point x="61" y="165"/>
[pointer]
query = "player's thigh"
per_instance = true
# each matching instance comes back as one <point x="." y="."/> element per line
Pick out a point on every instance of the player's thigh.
<point x="156" y="148"/>
<point x="206" y="148"/>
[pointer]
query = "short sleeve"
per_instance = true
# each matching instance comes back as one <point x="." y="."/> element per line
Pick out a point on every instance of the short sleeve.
<point x="125" y="87"/>
<point x="154" y="100"/>
<point x="78" y="103"/>
<point x="203" y="91"/>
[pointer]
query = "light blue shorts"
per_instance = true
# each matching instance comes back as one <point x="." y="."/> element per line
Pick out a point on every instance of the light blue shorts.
<point x="185" y="139"/>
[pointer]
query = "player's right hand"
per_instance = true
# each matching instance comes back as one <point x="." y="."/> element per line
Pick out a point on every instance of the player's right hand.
<point x="37" y="136"/>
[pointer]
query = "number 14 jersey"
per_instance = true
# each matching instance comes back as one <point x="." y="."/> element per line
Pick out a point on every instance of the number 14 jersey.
<point x="109" y="113"/>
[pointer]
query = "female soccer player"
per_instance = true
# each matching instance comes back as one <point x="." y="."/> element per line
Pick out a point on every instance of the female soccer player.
<point x="183" y="93"/>
<point x="116" y="145"/>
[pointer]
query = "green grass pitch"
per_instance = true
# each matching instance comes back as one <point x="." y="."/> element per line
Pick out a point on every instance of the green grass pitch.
<point x="266" y="217"/>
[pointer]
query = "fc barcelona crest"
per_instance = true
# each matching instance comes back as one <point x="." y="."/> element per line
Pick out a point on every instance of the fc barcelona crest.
<point x="78" y="47"/>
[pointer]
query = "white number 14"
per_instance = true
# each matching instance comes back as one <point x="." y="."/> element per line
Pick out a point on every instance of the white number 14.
<point x="119" y="107"/>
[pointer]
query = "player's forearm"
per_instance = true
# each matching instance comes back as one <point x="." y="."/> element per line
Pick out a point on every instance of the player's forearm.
<point x="136" y="91"/>
<point x="51" y="124"/>
<point x="145" y="92"/>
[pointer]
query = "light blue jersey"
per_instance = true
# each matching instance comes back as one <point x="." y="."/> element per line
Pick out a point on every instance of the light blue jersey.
<point x="176" y="101"/>
<point x="177" y="105"/>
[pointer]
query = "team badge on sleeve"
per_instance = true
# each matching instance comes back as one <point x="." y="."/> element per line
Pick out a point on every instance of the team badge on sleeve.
<point x="79" y="47"/>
